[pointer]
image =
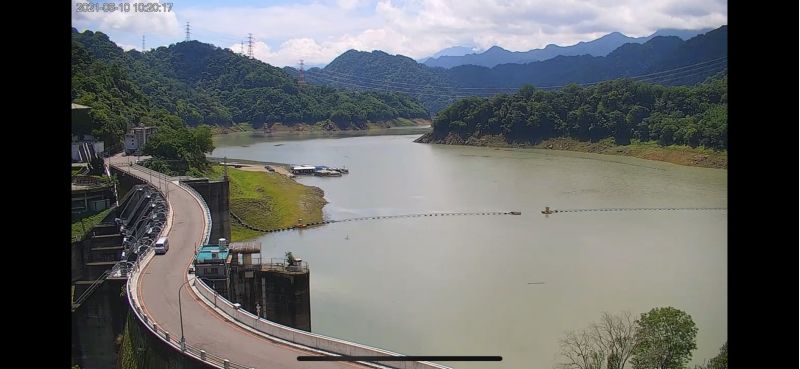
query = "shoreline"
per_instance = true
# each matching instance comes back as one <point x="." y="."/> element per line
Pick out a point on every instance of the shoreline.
<point x="255" y="166"/>
<point x="320" y="127"/>
<point x="681" y="155"/>
<point x="269" y="200"/>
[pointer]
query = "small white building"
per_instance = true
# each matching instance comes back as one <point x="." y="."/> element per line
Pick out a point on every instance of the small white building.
<point x="136" y="138"/>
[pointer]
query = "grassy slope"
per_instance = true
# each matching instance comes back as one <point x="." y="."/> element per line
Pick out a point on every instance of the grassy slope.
<point x="269" y="200"/>
<point x="88" y="223"/>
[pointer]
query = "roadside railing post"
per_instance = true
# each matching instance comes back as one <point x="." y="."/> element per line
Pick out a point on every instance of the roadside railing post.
<point x="203" y="355"/>
<point x="226" y="364"/>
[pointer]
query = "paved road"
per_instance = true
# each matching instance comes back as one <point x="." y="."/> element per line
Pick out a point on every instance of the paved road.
<point x="203" y="328"/>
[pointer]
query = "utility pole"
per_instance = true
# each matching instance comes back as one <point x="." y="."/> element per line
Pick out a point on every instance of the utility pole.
<point x="250" y="45"/>
<point x="187" y="31"/>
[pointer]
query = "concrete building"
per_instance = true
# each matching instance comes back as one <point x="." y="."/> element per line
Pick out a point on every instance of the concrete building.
<point x="216" y="196"/>
<point x="88" y="198"/>
<point x="275" y="289"/>
<point x="211" y="265"/>
<point x="136" y="138"/>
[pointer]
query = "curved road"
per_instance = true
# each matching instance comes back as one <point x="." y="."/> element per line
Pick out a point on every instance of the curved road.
<point x="203" y="328"/>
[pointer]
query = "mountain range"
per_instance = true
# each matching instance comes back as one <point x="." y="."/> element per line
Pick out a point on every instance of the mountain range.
<point x="667" y="60"/>
<point x="496" y="55"/>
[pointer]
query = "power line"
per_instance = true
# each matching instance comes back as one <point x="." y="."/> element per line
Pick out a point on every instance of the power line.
<point x="403" y="85"/>
<point x="337" y="81"/>
<point x="368" y="83"/>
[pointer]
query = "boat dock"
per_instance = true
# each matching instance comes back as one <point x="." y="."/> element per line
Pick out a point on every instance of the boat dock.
<point x="319" y="170"/>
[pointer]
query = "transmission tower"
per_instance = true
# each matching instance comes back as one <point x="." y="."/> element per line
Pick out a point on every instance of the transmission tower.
<point x="250" y="45"/>
<point x="187" y="31"/>
<point x="242" y="49"/>
<point x="302" y="80"/>
<point x="142" y="43"/>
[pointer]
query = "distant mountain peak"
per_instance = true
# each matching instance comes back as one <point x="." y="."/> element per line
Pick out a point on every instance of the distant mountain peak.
<point x="601" y="46"/>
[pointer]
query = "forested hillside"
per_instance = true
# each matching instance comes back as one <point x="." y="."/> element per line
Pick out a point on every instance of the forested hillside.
<point x="197" y="83"/>
<point x="622" y="109"/>
<point x="663" y="60"/>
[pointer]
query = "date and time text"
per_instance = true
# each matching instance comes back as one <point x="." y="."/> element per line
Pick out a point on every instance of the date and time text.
<point x="92" y="7"/>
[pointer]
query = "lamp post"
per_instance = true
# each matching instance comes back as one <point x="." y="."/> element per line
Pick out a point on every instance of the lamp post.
<point x="180" y="313"/>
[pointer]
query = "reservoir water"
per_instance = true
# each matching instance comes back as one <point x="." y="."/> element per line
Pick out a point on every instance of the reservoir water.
<point x="459" y="285"/>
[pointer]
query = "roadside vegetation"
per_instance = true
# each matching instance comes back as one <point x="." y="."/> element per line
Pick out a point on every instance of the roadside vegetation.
<point x="80" y="226"/>
<point x="179" y="150"/>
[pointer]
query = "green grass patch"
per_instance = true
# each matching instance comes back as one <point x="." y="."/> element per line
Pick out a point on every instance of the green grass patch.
<point x="269" y="200"/>
<point x="240" y="233"/>
<point x="81" y="226"/>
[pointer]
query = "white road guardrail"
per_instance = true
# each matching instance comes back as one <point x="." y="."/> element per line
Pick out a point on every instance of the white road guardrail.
<point x="316" y="342"/>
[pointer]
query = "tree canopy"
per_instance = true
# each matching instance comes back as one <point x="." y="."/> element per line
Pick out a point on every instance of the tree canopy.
<point x="622" y="109"/>
<point x="665" y="339"/>
<point x="604" y="345"/>
<point x="177" y="149"/>
<point x="665" y="60"/>
<point x="197" y="83"/>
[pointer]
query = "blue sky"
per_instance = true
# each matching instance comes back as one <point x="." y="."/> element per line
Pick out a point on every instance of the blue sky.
<point x="317" y="31"/>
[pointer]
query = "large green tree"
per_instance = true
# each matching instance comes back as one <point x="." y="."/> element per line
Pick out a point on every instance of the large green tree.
<point x="718" y="362"/>
<point x="178" y="149"/>
<point x="665" y="339"/>
<point x="721" y="360"/>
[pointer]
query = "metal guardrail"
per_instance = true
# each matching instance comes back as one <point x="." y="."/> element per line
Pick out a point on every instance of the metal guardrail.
<point x="315" y="341"/>
<point x="204" y="205"/>
<point x="152" y="326"/>
<point x="88" y="292"/>
<point x="166" y="336"/>
<point x="320" y="343"/>
<point x="283" y="265"/>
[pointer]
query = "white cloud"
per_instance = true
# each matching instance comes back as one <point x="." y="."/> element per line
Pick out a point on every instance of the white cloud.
<point x="350" y="4"/>
<point x="281" y="22"/>
<point x="321" y="30"/>
<point x="128" y="47"/>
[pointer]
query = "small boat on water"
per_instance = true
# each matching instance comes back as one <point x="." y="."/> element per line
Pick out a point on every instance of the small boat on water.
<point x="319" y="170"/>
<point x="327" y="173"/>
